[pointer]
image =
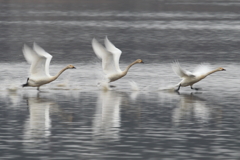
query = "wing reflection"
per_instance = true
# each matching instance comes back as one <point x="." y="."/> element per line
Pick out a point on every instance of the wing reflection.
<point x="191" y="108"/>
<point x="107" y="118"/>
<point x="38" y="125"/>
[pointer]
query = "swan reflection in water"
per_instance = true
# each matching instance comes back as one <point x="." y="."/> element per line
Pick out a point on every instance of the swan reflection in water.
<point x="191" y="107"/>
<point x="38" y="125"/>
<point x="107" y="119"/>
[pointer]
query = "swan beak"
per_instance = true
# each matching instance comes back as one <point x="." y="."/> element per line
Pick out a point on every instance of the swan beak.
<point x="74" y="68"/>
<point x="142" y="62"/>
<point x="223" y="69"/>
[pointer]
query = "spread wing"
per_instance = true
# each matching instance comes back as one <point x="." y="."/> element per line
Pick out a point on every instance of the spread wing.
<point x="108" y="63"/>
<point x="202" y="69"/>
<point x="40" y="51"/>
<point x="38" y="63"/>
<point x="181" y="72"/>
<point x="115" y="51"/>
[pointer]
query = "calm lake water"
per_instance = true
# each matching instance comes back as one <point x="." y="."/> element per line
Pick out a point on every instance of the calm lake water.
<point x="73" y="118"/>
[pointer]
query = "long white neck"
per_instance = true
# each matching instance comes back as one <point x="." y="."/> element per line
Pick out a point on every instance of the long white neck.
<point x="128" y="67"/>
<point x="118" y="76"/>
<point x="59" y="73"/>
<point x="211" y="72"/>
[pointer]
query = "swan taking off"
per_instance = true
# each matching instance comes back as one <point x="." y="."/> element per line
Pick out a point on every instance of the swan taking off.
<point x="188" y="78"/>
<point x="39" y="70"/>
<point x="110" y="56"/>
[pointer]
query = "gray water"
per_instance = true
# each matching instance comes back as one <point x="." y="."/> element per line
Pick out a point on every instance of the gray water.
<point x="73" y="118"/>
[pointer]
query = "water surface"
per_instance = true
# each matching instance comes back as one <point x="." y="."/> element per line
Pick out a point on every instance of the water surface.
<point x="73" y="118"/>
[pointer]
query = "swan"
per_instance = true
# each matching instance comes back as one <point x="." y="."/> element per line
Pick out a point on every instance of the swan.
<point x="188" y="78"/>
<point x="110" y="56"/>
<point x="39" y="70"/>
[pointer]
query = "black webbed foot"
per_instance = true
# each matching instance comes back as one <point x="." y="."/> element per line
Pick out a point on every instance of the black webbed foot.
<point x="178" y="88"/>
<point x="26" y="84"/>
<point x="197" y="89"/>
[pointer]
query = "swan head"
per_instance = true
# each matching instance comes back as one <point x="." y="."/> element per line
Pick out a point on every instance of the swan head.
<point x="139" y="61"/>
<point x="71" y="67"/>
<point x="221" y="69"/>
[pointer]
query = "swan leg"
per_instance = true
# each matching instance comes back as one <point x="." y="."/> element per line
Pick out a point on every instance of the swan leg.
<point x="38" y="88"/>
<point x="26" y="84"/>
<point x="178" y="88"/>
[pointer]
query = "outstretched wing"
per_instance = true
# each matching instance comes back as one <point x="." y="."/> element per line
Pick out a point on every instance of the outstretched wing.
<point x="181" y="72"/>
<point x="40" y="51"/>
<point x="37" y="69"/>
<point x="108" y="64"/>
<point x="29" y="54"/>
<point x="202" y="69"/>
<point x="115" y="51"/>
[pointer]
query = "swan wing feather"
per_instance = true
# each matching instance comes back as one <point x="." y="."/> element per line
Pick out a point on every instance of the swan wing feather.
<point x="29" y="54"/>
<point x="115" y="51"/>
<point x="106" y="56"/>
<point x="181" y="72"/>
<point x="40" y="51"/>
<point x="202" y="69"/>
<point x="37" y="69"/>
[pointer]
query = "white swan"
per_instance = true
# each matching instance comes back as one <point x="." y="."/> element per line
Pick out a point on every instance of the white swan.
<point x="39" y="70"/>
<point x="110" y="59"/>
<point x="188" y="78"/>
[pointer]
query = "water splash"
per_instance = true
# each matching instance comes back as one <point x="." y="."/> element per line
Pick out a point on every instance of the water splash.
<point x="168" y="88"/>
<point x="64" y="84"/>
<point x="134" y="95"/>
<point x="12" y="87"/>
<point x="134" y="86"/>
<point x="104" y="86"/>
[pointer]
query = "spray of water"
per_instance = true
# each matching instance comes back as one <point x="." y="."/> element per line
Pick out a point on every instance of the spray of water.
<point x="134" y="86"/>
<point x="166" y="87"/>
<point x="12" y="87"/>
<point x="63" y="84"/>
<point x="104" y="86"/>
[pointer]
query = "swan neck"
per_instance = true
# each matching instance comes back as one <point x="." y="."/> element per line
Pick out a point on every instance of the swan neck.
<point x="128" y="67"/>
<point x="59" y="73"/>
<point x="211" y="72"/>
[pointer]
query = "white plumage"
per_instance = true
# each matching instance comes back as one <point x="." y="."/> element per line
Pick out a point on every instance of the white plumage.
<point x="190" y="78"/>
<point x="40" y="62"/>
<point x="110" y="56"/>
